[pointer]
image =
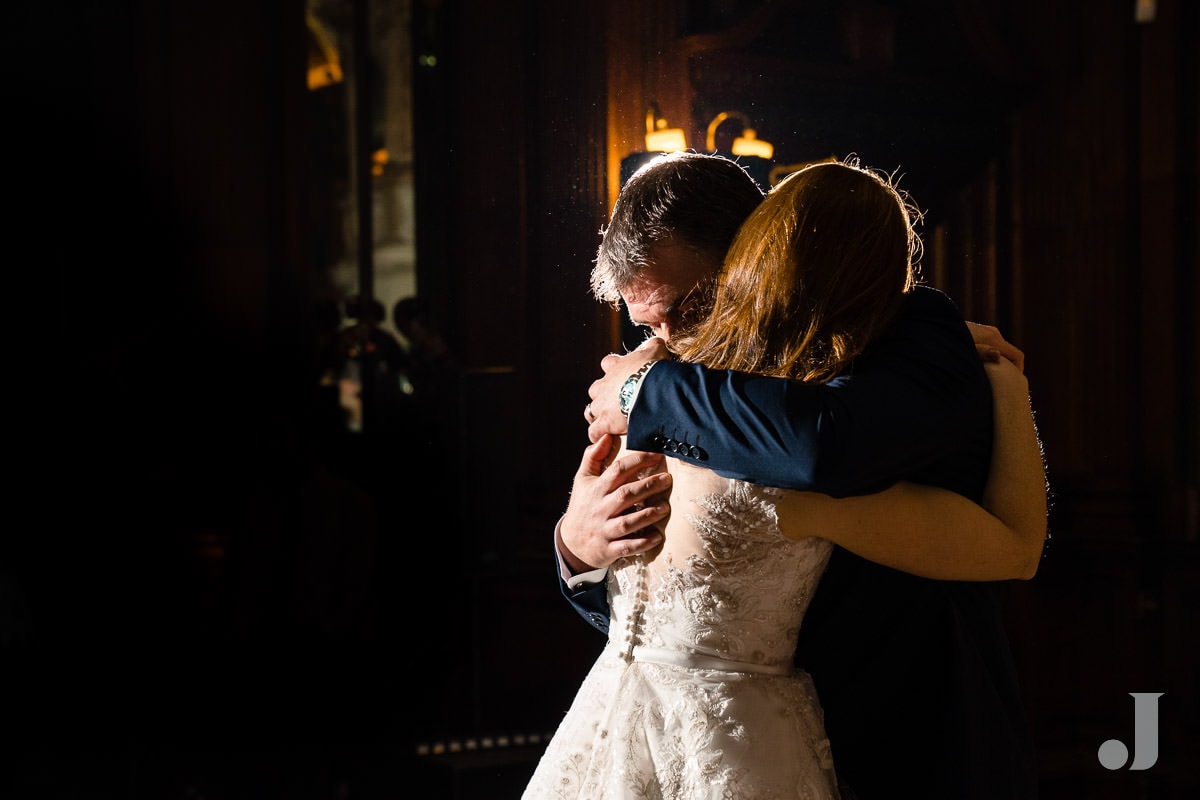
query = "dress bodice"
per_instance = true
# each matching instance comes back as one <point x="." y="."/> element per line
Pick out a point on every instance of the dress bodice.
<point x="726" y="585"/>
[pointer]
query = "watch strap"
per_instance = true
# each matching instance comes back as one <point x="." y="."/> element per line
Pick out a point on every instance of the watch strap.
<point x="631" y="387"/>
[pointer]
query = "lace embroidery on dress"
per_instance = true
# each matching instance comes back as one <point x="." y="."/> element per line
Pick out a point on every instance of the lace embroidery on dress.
<point x="695" y="695"/>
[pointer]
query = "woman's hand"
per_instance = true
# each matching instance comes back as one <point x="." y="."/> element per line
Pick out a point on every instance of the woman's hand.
<point x="991" y="344"/>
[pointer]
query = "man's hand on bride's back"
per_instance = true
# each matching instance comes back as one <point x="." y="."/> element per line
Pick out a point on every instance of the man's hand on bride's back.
<point x="614" y="506"/>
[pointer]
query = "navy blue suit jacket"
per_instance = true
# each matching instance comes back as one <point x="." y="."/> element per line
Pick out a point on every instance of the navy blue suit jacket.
<point x="916" y="678"/>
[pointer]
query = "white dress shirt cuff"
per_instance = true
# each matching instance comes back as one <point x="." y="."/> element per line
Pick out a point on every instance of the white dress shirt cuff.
<point x="575" y="582"/>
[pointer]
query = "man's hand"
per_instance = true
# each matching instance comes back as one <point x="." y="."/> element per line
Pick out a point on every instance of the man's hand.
<point x="613" y="506"/>
<point x="990" y="343"/>
<point x="603" y="413"/>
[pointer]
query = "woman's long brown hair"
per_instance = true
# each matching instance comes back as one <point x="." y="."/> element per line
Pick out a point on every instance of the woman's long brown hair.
<point x="815" y="273"/>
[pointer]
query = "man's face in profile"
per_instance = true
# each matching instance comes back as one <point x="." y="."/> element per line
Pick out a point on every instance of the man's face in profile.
<point x="654" y="297"/>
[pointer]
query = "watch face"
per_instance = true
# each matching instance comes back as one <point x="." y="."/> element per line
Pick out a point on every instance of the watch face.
<point x="630" y="387"/>
<point x="627" y="393"/>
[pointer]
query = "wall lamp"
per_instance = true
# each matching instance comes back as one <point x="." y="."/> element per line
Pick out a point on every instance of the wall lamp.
<point x="324" y="65"/>
<point x="660" y="138"/>
<point x="752" y="153"/>
<point x="748" y="144"/>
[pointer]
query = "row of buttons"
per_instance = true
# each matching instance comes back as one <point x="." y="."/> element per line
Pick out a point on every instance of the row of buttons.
<point x="670" y="445"/>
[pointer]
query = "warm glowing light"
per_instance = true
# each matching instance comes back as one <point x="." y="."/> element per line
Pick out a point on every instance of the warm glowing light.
<point x="379" y="160"/>
<point x="324" y="66"/>
<point x="748" y="144"/>
<point x="667" y="140"/>
<point x="660" y="138"/>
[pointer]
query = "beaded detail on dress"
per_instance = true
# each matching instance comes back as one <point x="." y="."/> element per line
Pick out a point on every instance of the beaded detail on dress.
<point x="695" y="695"/>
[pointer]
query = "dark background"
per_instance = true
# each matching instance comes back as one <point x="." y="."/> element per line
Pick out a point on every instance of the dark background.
<point x="207" y="594"/>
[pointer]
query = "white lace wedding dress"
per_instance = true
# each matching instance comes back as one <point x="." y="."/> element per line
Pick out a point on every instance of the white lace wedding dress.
<point x="695" y="695"/>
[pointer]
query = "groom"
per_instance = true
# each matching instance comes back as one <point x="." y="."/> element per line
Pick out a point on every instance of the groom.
<point x="915" y="675"/>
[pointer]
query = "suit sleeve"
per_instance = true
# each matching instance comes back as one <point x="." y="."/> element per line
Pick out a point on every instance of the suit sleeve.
<point x="907" y="402"/>
<point x="591" y="603"/>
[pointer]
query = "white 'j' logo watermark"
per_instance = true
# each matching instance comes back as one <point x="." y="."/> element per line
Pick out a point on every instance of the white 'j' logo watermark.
<point x="1113" y="754"/>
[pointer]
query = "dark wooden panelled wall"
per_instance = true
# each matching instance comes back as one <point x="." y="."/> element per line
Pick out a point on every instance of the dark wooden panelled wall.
<point x="164" y="592"/>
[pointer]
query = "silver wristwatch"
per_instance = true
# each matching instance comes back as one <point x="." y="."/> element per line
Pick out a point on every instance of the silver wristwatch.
<point x="629" y="389"/>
